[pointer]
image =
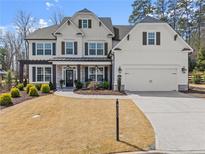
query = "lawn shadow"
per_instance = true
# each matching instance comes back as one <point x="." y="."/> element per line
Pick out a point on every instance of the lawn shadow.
<point x="132" y="145"/>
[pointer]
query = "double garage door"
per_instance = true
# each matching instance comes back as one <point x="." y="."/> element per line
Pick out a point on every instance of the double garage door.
<point x="151" y="79"/>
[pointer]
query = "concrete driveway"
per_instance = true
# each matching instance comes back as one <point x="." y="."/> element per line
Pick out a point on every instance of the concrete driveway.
<point x="178" y="120"/>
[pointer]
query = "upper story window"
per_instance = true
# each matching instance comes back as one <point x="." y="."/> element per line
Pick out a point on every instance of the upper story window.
<point x="96" y="49"/>
<point x="47" y="48"/>
<point x="39" y="48"/>
<point x="69" y="47"/>
<point x="151" y="38"/>
<point x="85" y="23"/>
<point x="43" y="48"/>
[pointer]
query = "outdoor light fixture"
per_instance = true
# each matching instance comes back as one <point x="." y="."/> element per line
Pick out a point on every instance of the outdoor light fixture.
<point x="119" y="70"/>
<point x="184" y="69"/>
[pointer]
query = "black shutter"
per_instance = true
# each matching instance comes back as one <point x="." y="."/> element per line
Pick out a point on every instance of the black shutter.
<point x="80" y="23"/>
<point x="63" y="48"/>
<point x="106" y="73"/>
<point x="75" y="48"/>
<point x="89" y="23"/>
<point x="144" y="38"/>
<point x="34" y="74"/>
<point x="158" y="38"/>
<point x="86" y="74"/>
<point x="106" y="48"/>
<point x="33" y="48"/>
<point x="86" y="48"/>
<point x="54" y="48"/>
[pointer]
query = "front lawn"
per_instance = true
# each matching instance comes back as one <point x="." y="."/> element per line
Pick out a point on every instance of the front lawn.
<point x="55" y="124"/>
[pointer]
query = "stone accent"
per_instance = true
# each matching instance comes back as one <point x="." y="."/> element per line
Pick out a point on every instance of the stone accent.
<point x="183" y="87"/>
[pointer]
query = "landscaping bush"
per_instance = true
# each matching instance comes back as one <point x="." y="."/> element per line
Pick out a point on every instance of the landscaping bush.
<point x="51" y="86"/>
<point x="28" y="86"/>
<point x="38" y="86"/>
<point x="78" y="84"/>
<point x="45" y="88"/>
<point x="105" y="85"/>
<point x="92" y="85"/>
<point x="196" y="77"/>
<point x="20" y="86"/>
<point x="33" y="91"/>
<point x="15" y="92"/>
<point x="5" y="99"/>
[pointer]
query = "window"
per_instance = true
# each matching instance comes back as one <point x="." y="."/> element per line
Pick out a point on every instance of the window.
<point x="96" y="49"/>
<point x="100" y="74"/>
<point x="40" y="74"/>
<point x="96" y="74"/>
<point x="48" y="74"/>
<point x="84" y="23"/>
<point x="47" y="48"/>
<point x="39" y="48"/>
<point x="92" y="48"/>
<point x="151" y="38"/>
<point x="69" y="48"/>
<point x="100" y="49"/>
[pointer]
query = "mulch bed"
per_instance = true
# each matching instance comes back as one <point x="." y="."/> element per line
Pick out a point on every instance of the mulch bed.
<point x="24" y="97"/>
<point x="197" y="91"/>
<point x="98" y="92"/>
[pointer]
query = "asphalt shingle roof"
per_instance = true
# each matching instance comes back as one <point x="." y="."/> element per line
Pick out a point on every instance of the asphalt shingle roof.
<point x="149" y="19"/>
<point x="80" y="59"/>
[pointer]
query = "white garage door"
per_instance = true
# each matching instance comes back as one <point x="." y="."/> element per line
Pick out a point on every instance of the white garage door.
<point x="150" y="79"/>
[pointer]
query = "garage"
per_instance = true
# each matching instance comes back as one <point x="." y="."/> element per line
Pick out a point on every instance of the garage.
<point x="150" y="79"/>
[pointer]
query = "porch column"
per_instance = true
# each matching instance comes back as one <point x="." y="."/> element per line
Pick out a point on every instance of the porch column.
<point x="21" y="67"/>
<point x="78" y="70"/>
<point x="111" y="77"/>
<point x="54" y="76"/>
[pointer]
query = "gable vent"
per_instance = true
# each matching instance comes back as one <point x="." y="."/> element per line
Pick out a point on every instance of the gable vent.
<point x="128" y="37"/>
<point x="68" y="22"/>
<point x="100" y="24"/>
<point x="175" y="37"/>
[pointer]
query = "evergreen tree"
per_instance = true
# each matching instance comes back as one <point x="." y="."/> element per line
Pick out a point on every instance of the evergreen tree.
<point x="160" y="9"/>
<point x="200" y="64"/>
<point x="141" y="8"/>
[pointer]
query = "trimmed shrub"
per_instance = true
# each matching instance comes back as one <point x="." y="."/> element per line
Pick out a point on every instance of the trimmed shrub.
<point x="78" y="84"/>
<point x="38" y="86"/>
<point x="105" y="85"/>
<point x="51" y="86"/>
<point x="45" y="88"/>
<point x="20" y="86"/>
<point x="196" y="77"/>
<point x="5" y="99"/>
<point x="33" y="91"/>
<point x="15" y="92"/>
<point x="28" y="86"/>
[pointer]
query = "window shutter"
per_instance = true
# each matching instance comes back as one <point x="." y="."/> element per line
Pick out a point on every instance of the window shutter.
<point x="33" y="48"/>
<point x="63" y="48"/>
<point x="106" y="74"/>
<point x="106" y="48"/>
<point x="80" y="23"/>
<point x="86" y="48"/>
<point x="86" y="74"/>
<point x="144" y="38"/>
<point x="54" y="48"/>
<point x="158" y="38"/>
<point x="34" y="74"/>
<point x="89" y="23"/>
<point x="75" y="48"/>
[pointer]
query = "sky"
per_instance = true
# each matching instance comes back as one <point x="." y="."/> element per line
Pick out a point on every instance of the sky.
<point x="41" y="10"/>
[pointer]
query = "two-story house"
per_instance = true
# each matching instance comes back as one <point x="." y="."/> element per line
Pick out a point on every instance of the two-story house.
<point x="151" y="55"/>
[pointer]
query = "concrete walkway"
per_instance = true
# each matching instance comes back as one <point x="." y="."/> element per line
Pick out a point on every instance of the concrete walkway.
<point x="178" y="120"/>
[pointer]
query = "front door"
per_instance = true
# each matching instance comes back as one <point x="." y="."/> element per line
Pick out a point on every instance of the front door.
<point x="69" y="78"/>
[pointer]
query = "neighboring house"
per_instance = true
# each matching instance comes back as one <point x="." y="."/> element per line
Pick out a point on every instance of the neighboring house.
<point x="152" y="56"/>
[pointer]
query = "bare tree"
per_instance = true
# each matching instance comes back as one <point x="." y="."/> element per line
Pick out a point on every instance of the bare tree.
<point x="57" y="17"/>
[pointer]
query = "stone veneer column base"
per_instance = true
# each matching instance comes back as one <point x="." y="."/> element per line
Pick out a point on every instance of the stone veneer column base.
<point x="183" y="87"/>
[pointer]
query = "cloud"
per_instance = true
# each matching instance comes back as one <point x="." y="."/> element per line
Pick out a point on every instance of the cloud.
<point x="56" y="1"/>
<point x="48" y="5"/>
<point x="42" y="23"/>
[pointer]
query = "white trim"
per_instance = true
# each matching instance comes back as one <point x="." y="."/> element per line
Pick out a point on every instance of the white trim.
<point x="41" y="66"/>
<point x="96" y="42"/>
<point x="69" y="41"/>
<point x="155" y="38"/>
<point x="87" y="23"/>
<point x="63" y="74"/>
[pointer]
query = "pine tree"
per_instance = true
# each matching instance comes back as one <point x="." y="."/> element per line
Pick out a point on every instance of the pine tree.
<point x="141" y="8"/>
<point x="172" y="13"/>
<point x="160" y="9"/>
